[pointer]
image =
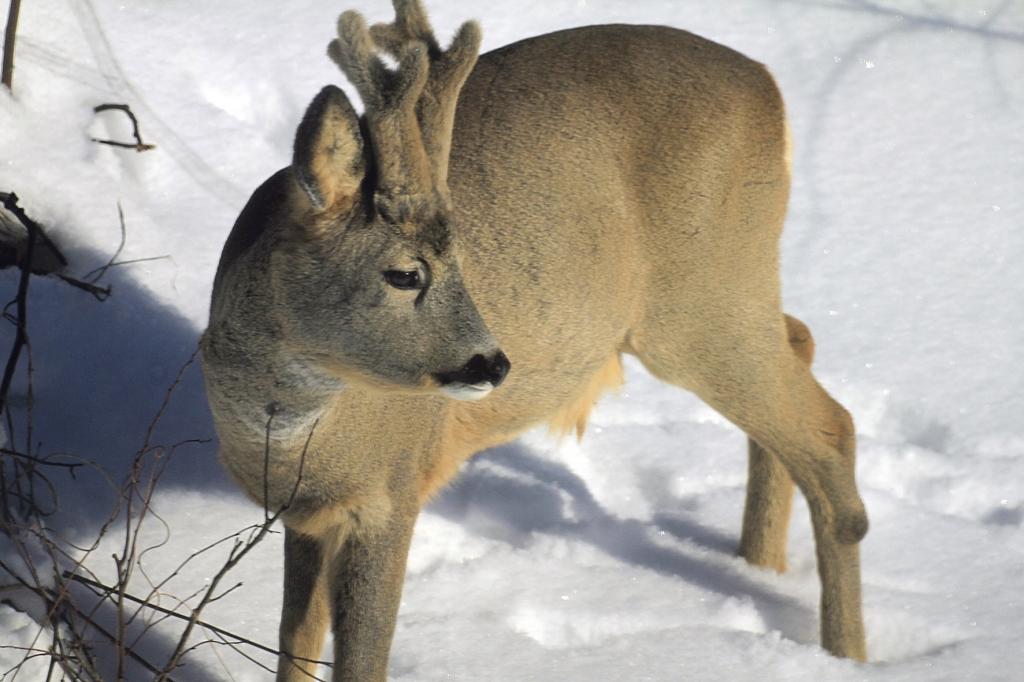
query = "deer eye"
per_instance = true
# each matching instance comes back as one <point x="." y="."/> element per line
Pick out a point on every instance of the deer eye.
<point x="403" y="279"/>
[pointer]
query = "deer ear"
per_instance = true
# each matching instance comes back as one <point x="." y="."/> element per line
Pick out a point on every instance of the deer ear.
<point x="328" y="157"/>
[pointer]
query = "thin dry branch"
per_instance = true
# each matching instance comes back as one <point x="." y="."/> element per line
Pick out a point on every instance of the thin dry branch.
<point x="7" y="74"/>
<point x="99" y="272"/>
<point x="139" y="145"/>
<point x="54" y="604"/>
<point x="10" y="202"/>
<point x="95" y="275"/>
<point x="45" y="461"/>
<point x="127" y="560"/>
<point x="106" y="591"/>
<point x="134" y="655"/>
<point x="99" y="293"/>
<point x="241" y="548"/>
<point x="36" y="545"/>
<point x="51" y="570"/>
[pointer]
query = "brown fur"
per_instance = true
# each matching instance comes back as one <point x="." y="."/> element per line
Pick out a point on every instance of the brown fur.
<point x="599" y="191"/>
<point x="573" y="417"/>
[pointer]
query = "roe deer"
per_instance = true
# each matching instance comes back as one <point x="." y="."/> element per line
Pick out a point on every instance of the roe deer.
<point x="597" y="191"/>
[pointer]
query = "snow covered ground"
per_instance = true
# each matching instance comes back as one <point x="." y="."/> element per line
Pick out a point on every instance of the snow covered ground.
<point x="611" y="559"/>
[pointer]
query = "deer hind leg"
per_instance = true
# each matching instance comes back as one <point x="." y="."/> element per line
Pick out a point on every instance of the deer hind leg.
<point x="769" y="501"/>
<point x="749" y="372"/>
<point x="305" y="614"/>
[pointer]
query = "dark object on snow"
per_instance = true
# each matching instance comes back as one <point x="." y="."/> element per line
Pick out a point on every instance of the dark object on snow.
<point x="14" y="231"/>
<point x="138" y="145"/>
<point x="46" y="257"/>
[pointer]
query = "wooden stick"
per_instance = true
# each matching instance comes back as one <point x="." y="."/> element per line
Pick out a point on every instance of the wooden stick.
<point x="139" y="145"/>
<point x="12" y="29"/>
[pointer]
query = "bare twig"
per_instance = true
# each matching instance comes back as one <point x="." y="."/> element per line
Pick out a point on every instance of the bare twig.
<point x="234" y="647"/>
<point x="37" y="236"/>
<point x="126" y="561"/>
<point x="12" y="29"/>
<point x="99" y="293"/>
<point x="88" y="281"/>
<point x="139" y="145"/>
<point x="54" y="603"/>
<point x="32" y="540"/>
<point x="108" y="591"/>
<point x="99" y="272"/>
<point x="51" y="569"/>
<point x="237" y="553"/>
<point x="132" y="261"/>
<point x="110" y="636"/>
<point x="10" y="202"/>
<point x="44" y="461"/>
<point x="241" y="548"/>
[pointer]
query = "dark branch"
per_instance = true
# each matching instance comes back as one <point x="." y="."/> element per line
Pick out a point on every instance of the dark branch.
<point x="98" y="292"/>
<point x="12" y="29"/>
<point x="107" y="592"/>
<point x="139" y="145"/>
<point x="10" y="202"/>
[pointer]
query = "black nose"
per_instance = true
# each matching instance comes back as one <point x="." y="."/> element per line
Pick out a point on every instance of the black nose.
<point x="478" y="370"/>
<point x="498" y="368"/>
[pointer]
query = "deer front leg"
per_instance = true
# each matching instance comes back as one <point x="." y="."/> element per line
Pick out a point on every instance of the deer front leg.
<point x="366" y="586"/>
<point x="305" y="613"/>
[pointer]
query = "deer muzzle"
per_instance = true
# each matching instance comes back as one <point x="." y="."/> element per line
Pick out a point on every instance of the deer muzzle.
<point x="475" y="379"/>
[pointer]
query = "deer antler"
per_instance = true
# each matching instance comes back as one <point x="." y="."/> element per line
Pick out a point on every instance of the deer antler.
<point x="449" y="68"/>
<point x="390" y="96"/>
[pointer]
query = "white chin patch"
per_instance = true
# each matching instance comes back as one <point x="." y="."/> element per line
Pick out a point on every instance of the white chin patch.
<point x="467" y="391"/>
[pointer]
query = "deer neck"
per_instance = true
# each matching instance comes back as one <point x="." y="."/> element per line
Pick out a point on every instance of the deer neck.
<point x="275" y="391"/>
<point x="299" y="394"/>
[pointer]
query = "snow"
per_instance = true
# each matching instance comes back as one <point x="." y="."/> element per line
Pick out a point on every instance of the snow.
<point x="551" y="560"/>
<point x="23" y="637"/>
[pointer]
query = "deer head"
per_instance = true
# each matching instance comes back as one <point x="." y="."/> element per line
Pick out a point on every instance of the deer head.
<point x="369" y="279"/>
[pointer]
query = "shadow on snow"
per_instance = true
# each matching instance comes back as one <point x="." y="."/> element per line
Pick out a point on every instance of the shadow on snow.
<point x="509" y="493"/>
